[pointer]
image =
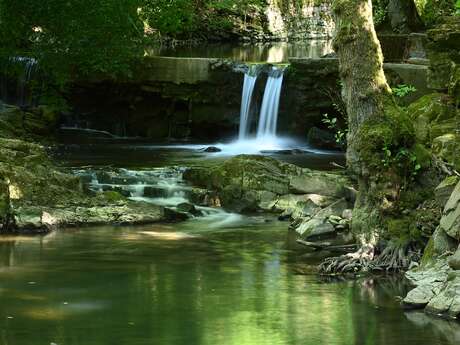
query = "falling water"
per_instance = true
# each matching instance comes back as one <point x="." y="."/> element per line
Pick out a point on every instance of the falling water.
<point x="269" y="112"/>
<point x="250" y="78"/>
<point x="15" y="80"/>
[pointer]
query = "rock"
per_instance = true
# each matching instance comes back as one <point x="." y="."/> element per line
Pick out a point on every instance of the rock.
<point x="189" y="208"/>
<point x="430" y="114"/>
<point x="419" y="297"/>
<point x="315" y="228"/>
<point x="347" y="214"/>
<point x="444" y="190"/>
<point x="450" y="221"/>
<point x="249" y="183"/>
<point x="442" y="243"/>
<point x="322" y="139"/>
<point x="303" y="204"/>
<point x="334" y="220"/>
<point x="212" y="149"/>
<point x="312" y="182"/>
<point x="199" y="196"/>
<point x="454" y="260"/>
<point x="447" y="147"/>
<point x="319" y="224"/>
<point x="447" y="302"/>
<point x="41" y="197"/>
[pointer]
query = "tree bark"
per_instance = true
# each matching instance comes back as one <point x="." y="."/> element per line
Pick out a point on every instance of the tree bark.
<point x="367" y="96"/>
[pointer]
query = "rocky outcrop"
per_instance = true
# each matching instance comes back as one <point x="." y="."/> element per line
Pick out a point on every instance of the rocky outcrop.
<point x="435" y="117"/>
<point x="250" y="182"/>
<point x="315" y="202"/>
<point x="32" y="124"/>
<point x="299" y="19"/>
<point x="437" y="281"/>
<point x="35" y="196"/>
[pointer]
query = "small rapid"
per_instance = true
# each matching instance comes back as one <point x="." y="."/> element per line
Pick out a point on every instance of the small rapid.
<point x="159" y="186"/>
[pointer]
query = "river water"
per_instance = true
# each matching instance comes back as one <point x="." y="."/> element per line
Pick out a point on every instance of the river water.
<point x="223" y="278"/>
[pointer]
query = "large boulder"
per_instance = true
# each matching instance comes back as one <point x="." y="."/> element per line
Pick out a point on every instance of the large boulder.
<point x="250" y="182"/>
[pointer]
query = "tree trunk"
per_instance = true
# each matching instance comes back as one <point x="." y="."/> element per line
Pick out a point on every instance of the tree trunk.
<point x="403" y="16"/>
<point x="375" y="123"/>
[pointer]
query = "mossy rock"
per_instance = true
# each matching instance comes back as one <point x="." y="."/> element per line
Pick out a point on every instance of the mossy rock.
<point x="244" y="182"/>
<point x="447" y="147"/>
<point x="432" y="115"/>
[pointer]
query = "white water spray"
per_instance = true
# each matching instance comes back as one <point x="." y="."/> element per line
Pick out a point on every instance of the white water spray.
<point x="268" y="119"/>
<point x="246" y="97"/>
<point x="250" y="78"/>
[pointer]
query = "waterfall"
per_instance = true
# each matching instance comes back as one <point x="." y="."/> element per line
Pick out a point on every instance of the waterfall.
<point x="270" y="105"/>
<point x="15" y="81"/>
<point x="250" y="78"/>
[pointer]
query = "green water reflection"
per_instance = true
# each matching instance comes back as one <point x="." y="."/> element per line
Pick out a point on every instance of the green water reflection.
<point x="206" y="285"/>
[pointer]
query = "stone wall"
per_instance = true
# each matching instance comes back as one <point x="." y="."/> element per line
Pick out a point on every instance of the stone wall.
<point x="199" y="99"/>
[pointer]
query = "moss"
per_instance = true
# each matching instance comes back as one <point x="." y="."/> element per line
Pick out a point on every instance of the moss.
<point x="428" y="253"/>
<point x="403" y="230"/>
<point x="422" y="154"/>
<point x="392" y="131"/>
<point x="113" y="196"/>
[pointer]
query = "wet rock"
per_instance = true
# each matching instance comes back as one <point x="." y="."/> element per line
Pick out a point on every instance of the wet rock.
<point x="428" y="282"/>
<point x="212" y="149"/>
<point x="117" y="189"/>
<point x="447" y="302"/>
<point x="189" y="208"/>
<point x="418" y="298"/>
<point x="283" y="152"/>
<point x="199" y="196"/>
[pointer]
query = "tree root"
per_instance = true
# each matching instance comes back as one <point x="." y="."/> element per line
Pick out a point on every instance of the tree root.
<point x="394" y="257"/>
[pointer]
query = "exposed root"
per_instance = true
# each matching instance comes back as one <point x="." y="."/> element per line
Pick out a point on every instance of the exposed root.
<point x="349" y="263"/>
<point x="395" y="257"/>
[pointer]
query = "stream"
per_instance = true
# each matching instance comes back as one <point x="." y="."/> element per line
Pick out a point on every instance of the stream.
<point x="219" y="278"/>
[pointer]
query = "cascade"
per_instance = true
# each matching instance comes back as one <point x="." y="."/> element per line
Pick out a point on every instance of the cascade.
<point x="250" y="78"/>
<point x="268" y="118"/>
<point x="15" y="80"/>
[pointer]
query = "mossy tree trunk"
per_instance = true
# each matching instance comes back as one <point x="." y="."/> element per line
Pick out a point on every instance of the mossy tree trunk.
<point x="375" y="122"/>
<point x="365" y="92"/>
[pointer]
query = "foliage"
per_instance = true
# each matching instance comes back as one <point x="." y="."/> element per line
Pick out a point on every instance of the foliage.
<point x="403" y="90"/>
<point x="401" y="158"/>
<point x="340" y="133"/>
<point x="380" y="9"/>
<point x="72" y="37"/>
<point x="171" y="17"/>
<point x="432" y="11"/>
<point x="338" y="125"/>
